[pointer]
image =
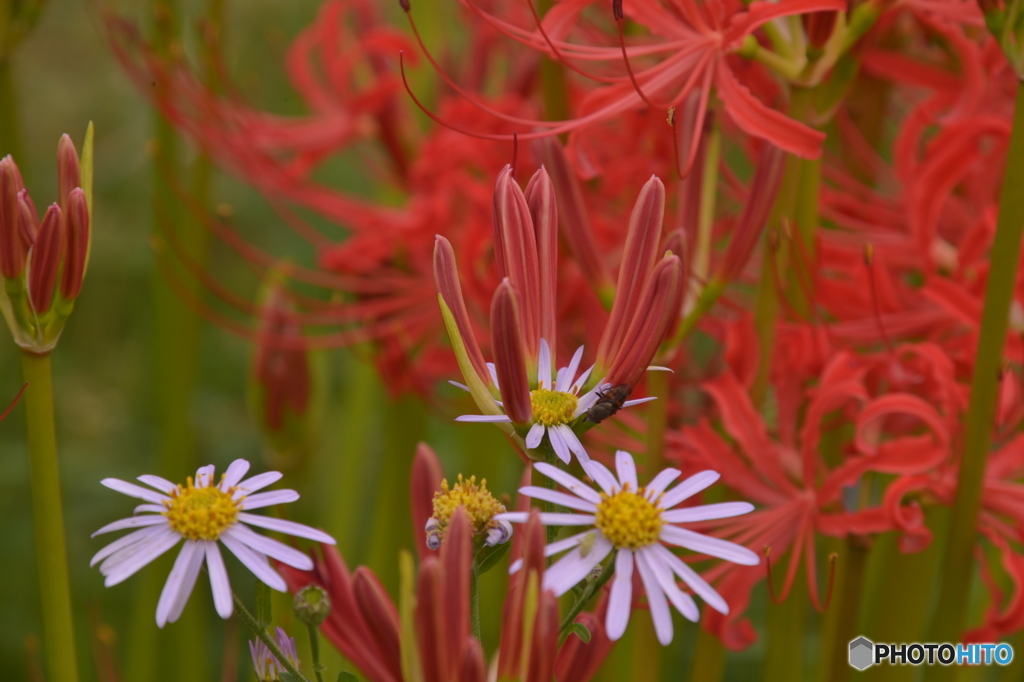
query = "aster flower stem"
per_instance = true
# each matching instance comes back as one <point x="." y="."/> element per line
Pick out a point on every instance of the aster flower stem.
<point x="958" y="562"/>
<point x="474" y="601"/>
<point x="314" y="647"/>
<point x="588" y="593"/>
<point x="58" y="626"/>
<point x="250" y="622"/>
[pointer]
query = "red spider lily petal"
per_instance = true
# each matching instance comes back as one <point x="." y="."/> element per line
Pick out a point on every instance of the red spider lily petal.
<point x="77" y="236"/>
<point x="281" y="369"/>
<point x="13" y="251"/>
<point x="763" y="188"/>
<point x="740" y="354"/>
<point x="759" y="13"/>
<point x="69" y="175"/>
<point x="1001" y="622"/>
<point x="380" y="615"/>
<point x="515" y="251"/>
<point x="446" y="282"/>
<point x="641" y="250"/>
<point x="540" y="196"/>
<point x="869" y="421"/>
<point x="736" y="473"/>
<point x="510" y="354"/>
<point x="424" y="480"/>
<point x="755" y="119"/>
<point x="44" y="262"/>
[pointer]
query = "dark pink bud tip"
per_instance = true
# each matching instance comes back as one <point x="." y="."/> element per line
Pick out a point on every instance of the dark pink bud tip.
<point x="69" y="174"/>
<point x="77" y="239"/>
<point x="44" y="262"/>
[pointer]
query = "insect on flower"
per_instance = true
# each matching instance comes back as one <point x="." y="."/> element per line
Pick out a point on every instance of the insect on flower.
<point x="611" y="400"/>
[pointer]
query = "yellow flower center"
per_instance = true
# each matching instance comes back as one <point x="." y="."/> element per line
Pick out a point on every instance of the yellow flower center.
<point x="628" y="520"/>
<point x="478" y="502"/>
<point x="551" y="408"/>
<point x="201" y="513"/>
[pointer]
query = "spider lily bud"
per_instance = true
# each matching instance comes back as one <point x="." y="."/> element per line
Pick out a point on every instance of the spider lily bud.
<point x="540" y="197"/>
<point x="424" y="480"/>
<point x="763" y="189"/>
<point x="312" y="605"/>
<point x="69" y="172"/>
<point x="77" y="237"/>
<point x="515" y="250"/>
<point x="449" y="291"/>
<point x="638" y="258"/>
<point x="45" y="259"/>
<point x="13" y="249"/>
<point x="510" y="354"/>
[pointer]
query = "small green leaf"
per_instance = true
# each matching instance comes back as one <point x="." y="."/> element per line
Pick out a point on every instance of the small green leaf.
<point x="346" y="676"/>
<point x="580" y="630"/>
<point x="262" y="612"/>
<point x="488" y="557"/>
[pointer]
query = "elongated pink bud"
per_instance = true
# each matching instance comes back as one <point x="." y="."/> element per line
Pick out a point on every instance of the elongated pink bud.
<point x="28" y="219"/>
<point x="474" y="665"/>
<point x="428" y="616"/>
<point x="515" y="250"/>
<point x="446" y="281"/>
<point x="69" y="174"/>
<point x="656" y="311"/>
<point x="572" y="212"/>
<point x="44" y="262"/>
<point x="540" y="196"/>
<point x="13" y="250"/>
<point x="77" y="236"/>
<point x="544" y="647"/>
<point x="378" y="611"/>
<point x="510" y="653"/>
<point x="510" y="354"/>
<point x="457" y="564"/>
<point x="677" y="243"/>
<point x="763" y="189"/>
<point x="641" y="249"/>
<point x="424" y="481"/>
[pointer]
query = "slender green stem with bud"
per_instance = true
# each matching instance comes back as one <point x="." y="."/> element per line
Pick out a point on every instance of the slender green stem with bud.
<point x="261" y="633"/>
<point x="958" y="562"/>
<point x="588" y="593"/>
<point x="58" y="626"/>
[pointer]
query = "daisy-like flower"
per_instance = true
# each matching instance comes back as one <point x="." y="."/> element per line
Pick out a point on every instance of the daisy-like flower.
<point x="201" y="513"/>
<point x="556" y="405"/>
<point x="636" y="524"/>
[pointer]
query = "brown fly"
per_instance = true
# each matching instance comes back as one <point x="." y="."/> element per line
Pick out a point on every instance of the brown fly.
<point x="608" y="403"/>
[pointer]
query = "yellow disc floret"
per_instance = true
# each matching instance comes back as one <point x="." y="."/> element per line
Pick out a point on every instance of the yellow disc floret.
<point x="480" y="505"/>
<point x="552" y="408"/>
<point x="628" y="519"/>
<point x="201" y="513"/>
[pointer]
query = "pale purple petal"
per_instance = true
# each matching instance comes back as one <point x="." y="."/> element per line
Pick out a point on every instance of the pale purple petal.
<point x="588" y="400"/>
<point x="704" y="512"/>
<point x="660" y="614"/>
<point x="688" y="488"/>
<point x="219" y="581"/>
<point x="550" y="518"/>
<point x="564" y="499"/>
<point x="568" y="481"/>
<point x="485" y="418"/>
<point x="573" y="441"/>
<point x="699" y="586"/>
<point x="127" y="562"/>
<point x="575" y="566"/>
<point x="456" y="384"/>
<point x="582" y="379"/>
<point x="561" y="379"/>
<point x="299" y="530"/>
<point x="602" y="476"/>
<point x="158" y="508"/>
<point x="559" y="445"/>
<point x="188" y="584"/>
<point x="133" y="490"/>
<point x="534" y="436"/>
<point x="204" y="478"/>
<point x="659" y="368"/>
<point x="257" y="482"/>
<point x="494" y="373"/>
<point x="175" y="580"/>
<point x="255" y="562"/>
<point x="565" y="384"/>
<point x="272" y="548"/>
<point x="620" y="601"/>
<point x="234" y="474"/>
<point x="266" y="499"/>
<point x="130" y="540"/>
<point x="660" y="482"/>
<point x="627" y="470"/>
<point x="133" y="522"/>
<point x="554" y="548"/>
<point x="663" y="574"/>
<point x="161" y="484"/>
<point x="638" y="401"/>
<point x="704" y="544"/>
<point x="544" y="366"/>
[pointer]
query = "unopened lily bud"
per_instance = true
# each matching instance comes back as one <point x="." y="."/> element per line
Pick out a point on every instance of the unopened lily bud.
<point x="44" y="261"/>
<point x="28" y="219"/>
<point x="77" y="236"/>
<point x="510" y="355"/>
<point x="540" y="197"/>
<point x="69" y="173"/>
<point x="641" y="250"/>
<point x="312" y="605"/>
<point x="515" y="250"/>
<point x="446" y="282"/>
<point x="763" y="189"/>
<point x="13" y="249"/>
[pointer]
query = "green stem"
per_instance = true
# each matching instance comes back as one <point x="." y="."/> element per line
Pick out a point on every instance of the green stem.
<point x="474" y="601"/>
<point x="709" y="662"/>
<point x="588" y="593"/>
<point x="786" y="624"/>
<point x="958" y="562"/>
<point x="250" y="622"/>
<point x="58" y="627"/>
<point x="314" y="647"/>
<point x="657" y="422"/>
<point x="844" y="614"/>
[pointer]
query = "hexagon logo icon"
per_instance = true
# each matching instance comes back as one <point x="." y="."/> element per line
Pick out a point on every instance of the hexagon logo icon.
<point x="862" y="653"/>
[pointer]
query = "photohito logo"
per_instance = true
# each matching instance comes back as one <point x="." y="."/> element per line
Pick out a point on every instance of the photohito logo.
<point x="864" y="653"/>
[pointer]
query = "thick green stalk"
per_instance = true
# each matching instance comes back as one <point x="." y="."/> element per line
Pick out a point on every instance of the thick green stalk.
<point x="786" y="624"/>
<point x="709" y="662"/>
<point x="844" y="614"/>
<point x="250" y="622"/>
<point x="51" y="552"/>
<point x="554" y="89"/>
<point x="958" y="562"/>
<point x="10" y="123"/>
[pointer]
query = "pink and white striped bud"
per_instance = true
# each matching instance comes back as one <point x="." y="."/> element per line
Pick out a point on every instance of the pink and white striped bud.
<point x="763" y="189"/>
<point x="510" y="354"/>
<point x="656" y="311"/>
<point x="13" y="249"/>
<point x="69" y="173"/>
<point x="28" y="219"/>
<point x="641" y="249"/>
<point x="44" y="260"/>
<point x="575" y="221"/>
<point x="540" y="197"/>
<point x="515" y="250"/>
<point x="77" y="235"/>
<point x="446" y="282"/>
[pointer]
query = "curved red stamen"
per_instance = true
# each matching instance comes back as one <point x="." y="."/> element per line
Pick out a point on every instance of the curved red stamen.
<point x="869" y="262"/>
<point x="629" y="69"/>
<point x="16" y="399"/>
<point x="819" y="607"/>
<point x="558" y="54"/>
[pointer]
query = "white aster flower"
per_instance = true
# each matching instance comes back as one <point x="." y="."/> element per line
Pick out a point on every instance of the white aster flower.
<point x="556" y="404"/>
<point x="202" y="513"/>
<point x="636" y="523"/>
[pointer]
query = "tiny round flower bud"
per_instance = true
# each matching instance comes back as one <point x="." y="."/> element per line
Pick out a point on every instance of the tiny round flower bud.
<point x="312" y="605"/>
